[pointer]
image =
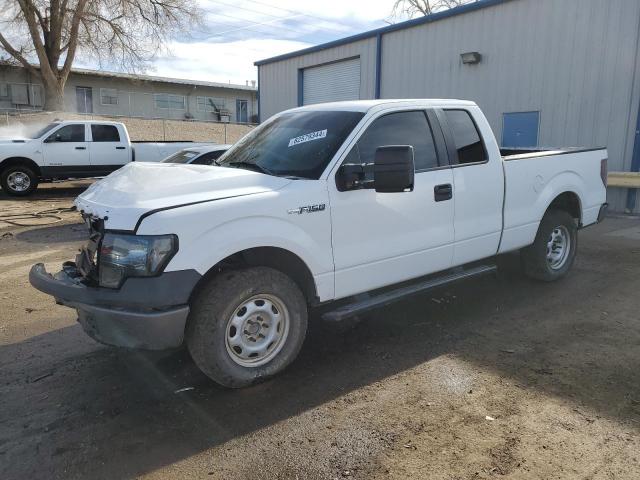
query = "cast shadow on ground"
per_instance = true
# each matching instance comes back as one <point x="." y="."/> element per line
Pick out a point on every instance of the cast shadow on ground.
<point x="124" y="405"/>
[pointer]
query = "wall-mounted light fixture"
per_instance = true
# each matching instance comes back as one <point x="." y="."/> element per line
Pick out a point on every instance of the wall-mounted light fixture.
<point x="471" y="58"/>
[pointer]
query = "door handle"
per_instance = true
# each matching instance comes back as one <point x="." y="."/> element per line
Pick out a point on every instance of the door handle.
<point x="443" y="192"/>
<point x="81" y="148"/>
<point x="120" y="148"/>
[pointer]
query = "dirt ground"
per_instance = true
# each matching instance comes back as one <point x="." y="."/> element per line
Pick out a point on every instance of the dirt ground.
<point x="494" y="378"/>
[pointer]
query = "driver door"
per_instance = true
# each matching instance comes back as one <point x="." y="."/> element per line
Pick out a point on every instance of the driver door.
<point x="67" y="149"/>
<point x="384" y="238"/>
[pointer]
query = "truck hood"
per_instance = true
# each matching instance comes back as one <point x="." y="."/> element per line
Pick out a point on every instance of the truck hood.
<point x="122" y="197"/>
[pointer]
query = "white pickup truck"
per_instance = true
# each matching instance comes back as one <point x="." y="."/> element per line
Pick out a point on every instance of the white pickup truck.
<point x="347" y="206"/>
<point x="74" y="149"/>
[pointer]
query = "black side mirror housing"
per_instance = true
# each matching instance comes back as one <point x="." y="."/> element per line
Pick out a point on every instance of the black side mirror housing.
<point x="350" y="177"/>
<point x="393" y="169"/>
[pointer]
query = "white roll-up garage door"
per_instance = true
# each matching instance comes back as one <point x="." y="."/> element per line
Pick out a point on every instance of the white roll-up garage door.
<point x="332" y="82"/>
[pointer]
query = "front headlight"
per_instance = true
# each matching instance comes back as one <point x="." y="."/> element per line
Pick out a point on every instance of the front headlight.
<point x="123" y="256"/>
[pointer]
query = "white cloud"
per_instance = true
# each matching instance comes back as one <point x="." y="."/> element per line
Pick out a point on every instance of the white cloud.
<point x="236" y="33"/>
<point x="221" y="62"/>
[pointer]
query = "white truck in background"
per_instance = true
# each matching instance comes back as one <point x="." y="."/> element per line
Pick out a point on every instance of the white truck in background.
<point x="339" y="206"/>
<point x="74" y="149"/>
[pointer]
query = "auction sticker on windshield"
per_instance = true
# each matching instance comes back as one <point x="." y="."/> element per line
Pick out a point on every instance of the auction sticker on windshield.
<point x="308" y="137"/>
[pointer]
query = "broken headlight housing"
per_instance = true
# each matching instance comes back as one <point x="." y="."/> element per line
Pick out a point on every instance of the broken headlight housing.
<point x="124" y="256"/>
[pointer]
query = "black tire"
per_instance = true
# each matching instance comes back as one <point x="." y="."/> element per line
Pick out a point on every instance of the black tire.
<point x="210" y="322"/>
<point x="535" y="261"/>
<point x="11" y="190"/>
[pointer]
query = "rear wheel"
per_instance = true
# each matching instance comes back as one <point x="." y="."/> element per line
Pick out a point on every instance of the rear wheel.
<point x="246" y="326"/>
<point x="553" y="252"/>
<point x="18" y="180"/>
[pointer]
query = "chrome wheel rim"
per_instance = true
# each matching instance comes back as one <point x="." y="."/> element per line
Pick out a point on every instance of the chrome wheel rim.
<point x="558" y="247"/>
<point x="18" y="181"/>
<point x="257" y="330"/>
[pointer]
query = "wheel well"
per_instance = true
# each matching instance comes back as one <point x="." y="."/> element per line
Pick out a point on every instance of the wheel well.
<point x="10" y="162"/>
<point x="277" y="258"/>
<point x="570" y="203"/>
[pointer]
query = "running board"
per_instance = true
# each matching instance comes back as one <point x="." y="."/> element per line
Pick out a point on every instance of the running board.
<point x="389" y="297"/>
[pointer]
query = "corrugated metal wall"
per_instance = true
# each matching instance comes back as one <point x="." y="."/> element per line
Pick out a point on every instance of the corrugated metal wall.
<point x="279" y="80"/>
<point x="576" y="61"/>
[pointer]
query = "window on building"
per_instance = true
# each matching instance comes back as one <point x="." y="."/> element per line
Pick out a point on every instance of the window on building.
<point x="109" y="96"/>
<point x="4" y="90"/>
<point x="165" y="100"/>
<point x="210" y="104"/>
<point x="466" y="137"/>
<point x="105" y="133"/>
<point x="403" y="128"/>
<point x="68" y="133"/>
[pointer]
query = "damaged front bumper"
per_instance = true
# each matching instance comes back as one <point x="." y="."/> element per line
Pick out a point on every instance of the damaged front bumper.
<point x="148" y="313"/>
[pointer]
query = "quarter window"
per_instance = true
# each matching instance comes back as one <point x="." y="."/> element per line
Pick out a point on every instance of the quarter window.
<point x="403" y="128"/>
<point x="68" y="133"/>
<point x="466" y="137"/>
<point x="105" y="133"/>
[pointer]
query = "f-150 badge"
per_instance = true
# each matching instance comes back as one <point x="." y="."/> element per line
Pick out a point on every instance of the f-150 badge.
<point x="308" y="209"/>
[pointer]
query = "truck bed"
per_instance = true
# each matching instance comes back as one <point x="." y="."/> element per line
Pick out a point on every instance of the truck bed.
<point x="531" y="185"/>
<point x="525" y="153"/>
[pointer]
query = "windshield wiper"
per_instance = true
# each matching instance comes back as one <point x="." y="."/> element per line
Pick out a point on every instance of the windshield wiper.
<point x="251" y="166"/>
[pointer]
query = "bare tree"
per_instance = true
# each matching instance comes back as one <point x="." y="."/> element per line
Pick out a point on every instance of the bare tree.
<point x="413" y="8"/>
<point x="127" y="33"/>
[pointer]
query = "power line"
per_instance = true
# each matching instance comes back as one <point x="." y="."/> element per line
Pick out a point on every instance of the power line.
<point x="256" y="23"/>
<point x="324" y="19"/>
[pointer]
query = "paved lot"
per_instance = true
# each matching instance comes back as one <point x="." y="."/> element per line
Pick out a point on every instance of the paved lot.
<point x="495" y="378"/>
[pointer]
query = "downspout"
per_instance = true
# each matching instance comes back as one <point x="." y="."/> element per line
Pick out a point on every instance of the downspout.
<point x="258" y="94"/>
<point x="635" y="167"/>
<point x="635" y="157"/>
<point x="300" y="87"/>
<point x="378" y="64"/>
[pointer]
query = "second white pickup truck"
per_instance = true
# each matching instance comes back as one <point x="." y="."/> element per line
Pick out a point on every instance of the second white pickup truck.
<point x="74" y="149"/>
<point x="348" y="206"/>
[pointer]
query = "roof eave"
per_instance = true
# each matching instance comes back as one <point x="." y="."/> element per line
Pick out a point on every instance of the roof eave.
<point x="434" y="17"/>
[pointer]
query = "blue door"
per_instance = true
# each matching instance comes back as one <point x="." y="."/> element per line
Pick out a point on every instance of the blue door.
<point x="520" y="129"/>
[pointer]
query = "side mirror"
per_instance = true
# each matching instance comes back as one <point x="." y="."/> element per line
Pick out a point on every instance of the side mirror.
<point x="350" y="177"/>
<point x="393" y="169"/>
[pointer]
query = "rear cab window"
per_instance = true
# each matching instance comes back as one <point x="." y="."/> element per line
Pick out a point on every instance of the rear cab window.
<point x="465" y="137"/>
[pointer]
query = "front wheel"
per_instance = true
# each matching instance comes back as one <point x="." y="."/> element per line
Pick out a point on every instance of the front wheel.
<point x="553" y="252"/>
<point x="18" y="180"/>
<point x="246" y="326"/>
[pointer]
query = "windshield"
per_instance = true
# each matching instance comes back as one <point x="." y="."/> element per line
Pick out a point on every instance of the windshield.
<point x="36" y="132"/>
<point x="296" y="144"/>
<point x="183" y="156"/>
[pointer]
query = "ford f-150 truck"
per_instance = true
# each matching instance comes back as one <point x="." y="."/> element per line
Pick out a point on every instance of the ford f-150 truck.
<point x="345" y="206"/>
<point x="73" y="149"/>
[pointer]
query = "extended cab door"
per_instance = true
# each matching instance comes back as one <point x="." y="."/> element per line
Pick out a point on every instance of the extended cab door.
<point x="65" y="150"/>
<point x="478" y="183"/>
<point x="109" y="149"/>
<point x="383" y="238"/>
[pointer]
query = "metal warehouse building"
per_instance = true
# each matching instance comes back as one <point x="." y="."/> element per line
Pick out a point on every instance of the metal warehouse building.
<point x="547" y="73"/>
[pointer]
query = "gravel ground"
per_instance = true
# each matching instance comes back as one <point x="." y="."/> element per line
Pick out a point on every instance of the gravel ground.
<point x="494" y="378"/>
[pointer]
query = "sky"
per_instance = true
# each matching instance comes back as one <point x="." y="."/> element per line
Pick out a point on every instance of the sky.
<point x="236" y="33"/>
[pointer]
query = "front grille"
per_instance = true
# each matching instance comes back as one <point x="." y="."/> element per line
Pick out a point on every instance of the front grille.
<point x="87" y="258"/>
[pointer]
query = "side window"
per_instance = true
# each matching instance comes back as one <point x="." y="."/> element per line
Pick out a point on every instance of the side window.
<point x="105" y="133"/>
<point x="466" y="137"/>
<point x="207" y="158"/>
<point x="68" y="133"/>
<point x="402" y="128"/>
